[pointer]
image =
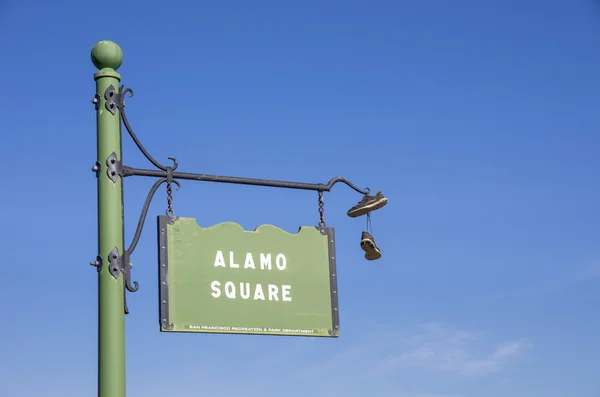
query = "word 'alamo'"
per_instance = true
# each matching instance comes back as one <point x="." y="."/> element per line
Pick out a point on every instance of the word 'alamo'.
<point x="264" y="260"/>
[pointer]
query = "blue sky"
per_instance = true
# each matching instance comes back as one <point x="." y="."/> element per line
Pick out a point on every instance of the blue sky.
<point x="478" y="119"/>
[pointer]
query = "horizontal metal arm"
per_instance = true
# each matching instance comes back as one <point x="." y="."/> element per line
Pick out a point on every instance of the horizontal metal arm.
<point x="129" y="171"/>
<point x="170" y="174"/>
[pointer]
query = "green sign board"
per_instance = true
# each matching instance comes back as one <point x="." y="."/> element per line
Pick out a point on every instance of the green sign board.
<point x="224" y="279"/>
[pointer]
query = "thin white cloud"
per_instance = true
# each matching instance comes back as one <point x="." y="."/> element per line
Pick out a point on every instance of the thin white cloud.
<point x="384" y="361"/>
<point x="439" y="349"/>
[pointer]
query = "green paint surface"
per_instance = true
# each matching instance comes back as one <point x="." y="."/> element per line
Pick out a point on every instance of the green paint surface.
<point x="193" y="252"/>
<point x="111" y="321"/>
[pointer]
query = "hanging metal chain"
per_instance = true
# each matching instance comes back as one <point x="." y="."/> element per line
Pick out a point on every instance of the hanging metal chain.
<point x="321" y="210"/>
<point x="169" y="200"/>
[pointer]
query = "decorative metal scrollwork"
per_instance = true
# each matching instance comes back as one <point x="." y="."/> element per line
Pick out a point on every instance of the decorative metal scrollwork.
<point x="114" y="100"/>
<point x="155" y="163"/>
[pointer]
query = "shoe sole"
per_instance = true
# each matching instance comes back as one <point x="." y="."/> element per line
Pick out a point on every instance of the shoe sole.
<point x="368" y="208"/>
<point x="371" y="251"/>
<point x="373" y="255"/>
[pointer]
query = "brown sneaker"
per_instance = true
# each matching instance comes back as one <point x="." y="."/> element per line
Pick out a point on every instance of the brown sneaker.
<point x="368" y="204"/>
<point x="367" y="243"/>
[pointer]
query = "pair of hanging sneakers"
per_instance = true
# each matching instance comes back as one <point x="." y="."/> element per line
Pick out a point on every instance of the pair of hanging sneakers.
<point x="364" y="207"/>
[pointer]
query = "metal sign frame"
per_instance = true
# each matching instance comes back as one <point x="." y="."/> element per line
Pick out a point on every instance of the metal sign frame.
<point x="163" y="278"/>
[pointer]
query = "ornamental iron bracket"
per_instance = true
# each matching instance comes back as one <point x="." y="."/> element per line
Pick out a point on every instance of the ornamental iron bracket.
<point x="115" y="167"/>
<point x="113" y="99"/>
<point x="115" y="263"/>
<point x="121" y="264"/>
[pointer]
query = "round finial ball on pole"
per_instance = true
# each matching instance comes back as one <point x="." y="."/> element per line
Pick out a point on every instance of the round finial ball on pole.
<point x="107" y="54"/>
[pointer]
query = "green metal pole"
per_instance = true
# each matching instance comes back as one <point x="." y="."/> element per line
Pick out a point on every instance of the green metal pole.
<point x="107" y="57"/>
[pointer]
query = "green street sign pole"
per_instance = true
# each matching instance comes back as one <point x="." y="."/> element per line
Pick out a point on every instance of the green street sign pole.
<point x="107" y="57"/>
